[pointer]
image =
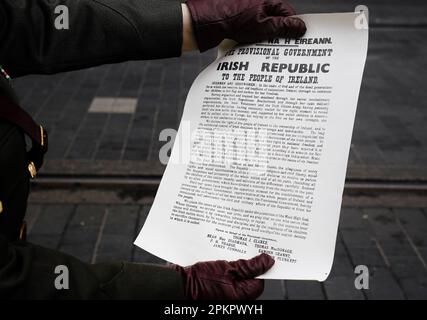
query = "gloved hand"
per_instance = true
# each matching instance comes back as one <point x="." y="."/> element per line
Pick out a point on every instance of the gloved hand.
<point x="223" y="280"/>
<point x="244" y="21"/>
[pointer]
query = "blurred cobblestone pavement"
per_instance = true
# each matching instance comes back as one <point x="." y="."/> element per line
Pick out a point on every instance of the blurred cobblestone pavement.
<point x="386" y="233"/>
<point x="390" y="240"/>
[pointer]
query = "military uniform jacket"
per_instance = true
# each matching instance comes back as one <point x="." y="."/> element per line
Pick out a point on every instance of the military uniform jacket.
<point x="100" y="31"/>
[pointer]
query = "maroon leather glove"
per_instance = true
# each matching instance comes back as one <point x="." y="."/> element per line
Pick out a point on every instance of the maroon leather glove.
<point x="244" y="21"/>
<point x="223" y="280"/>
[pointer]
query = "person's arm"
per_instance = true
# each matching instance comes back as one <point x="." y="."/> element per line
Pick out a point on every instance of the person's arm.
<point x="189" y="41"/>
<point x="27" y="271"/>
<point x="109" y="31"/>
<point x="100" y="31"/>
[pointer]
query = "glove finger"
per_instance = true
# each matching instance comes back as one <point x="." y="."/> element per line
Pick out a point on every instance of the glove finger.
<point x="288" y="27"/>
<point x="280" y="8"/>
<point x="293" y="27"/>
<point x="248" y="269"/>
<point x="250" y="289"/>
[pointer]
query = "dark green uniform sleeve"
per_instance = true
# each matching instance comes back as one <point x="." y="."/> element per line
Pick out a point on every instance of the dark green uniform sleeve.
<point x="100" y="31"/>
<point x="28" y="272"/>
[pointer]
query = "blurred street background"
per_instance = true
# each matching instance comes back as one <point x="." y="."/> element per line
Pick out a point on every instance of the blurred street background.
<point x="102" y="170"/>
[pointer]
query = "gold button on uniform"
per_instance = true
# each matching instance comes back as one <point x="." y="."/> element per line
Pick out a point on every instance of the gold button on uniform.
<point x="32" y="169"/>
<point x="1" y="207"/>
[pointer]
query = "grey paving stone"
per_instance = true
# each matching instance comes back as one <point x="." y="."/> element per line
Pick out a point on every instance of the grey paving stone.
<point x="132" y="83"/>
<point x="406" y="265"/>
<point x="51" y="110"/>
<point x="394" y="12"/>
<point x="342" y="266"/>
<point x="414" y="222"/>
<point x="116" y="242"/>
<point x="40" y="93"/>
<point x="403" y="260"/>
<point x="82" y="232"/>
<point x="360" y="238"/>
<point x="111" y="144"/>
<point x="273" y="290"/>
<point x="304" y="290"/>
<point x="354" y="228"/>
<point x="385" y="227"/>
<point x="114" y="79"/>
<point x="415" y="287"/>
<point x="383" y="285"/>
<point x="342" y="288"/>
<point x="85" y="143"/>
<point x="423" y="252"/>
<point x="48" y="229"/>
<point x="368" y="256"/>
<point x="31" y="215"/>
<point x="351" y="218"/>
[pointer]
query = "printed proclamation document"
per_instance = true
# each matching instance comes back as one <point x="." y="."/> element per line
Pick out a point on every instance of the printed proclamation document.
<point x="260" y="157"/>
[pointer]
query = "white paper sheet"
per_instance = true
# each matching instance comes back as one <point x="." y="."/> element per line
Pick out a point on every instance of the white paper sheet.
<point x="259" y="162"/>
